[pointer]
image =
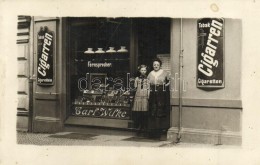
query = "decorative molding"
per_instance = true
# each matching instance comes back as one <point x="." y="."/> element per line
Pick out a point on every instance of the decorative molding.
<point x="206" y="132"/>
<point x="21" y="58"/>
<point x="21" y="93"/>
<point x="49" y="119"/>
<point x="44" y="19"/>
<point x="22" y="68"/>
<point x="192" y="135"/>
<point x="22" y="112"/>
<point x="46" y="96"/>
<point x="22" y="76"/>
<point x="23" y="26"/>
<point x="218" y="103"/>
<point x="115" y="123"/>
<point x="23" y="102"/>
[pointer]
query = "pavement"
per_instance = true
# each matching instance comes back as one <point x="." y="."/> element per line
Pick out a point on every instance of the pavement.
<point x="89" y="139"/>
<point x="74" y="138"/>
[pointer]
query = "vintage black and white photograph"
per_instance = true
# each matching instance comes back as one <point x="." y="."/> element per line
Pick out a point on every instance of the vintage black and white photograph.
<point x="137" y="82"/>
<point x="129" y="81"/>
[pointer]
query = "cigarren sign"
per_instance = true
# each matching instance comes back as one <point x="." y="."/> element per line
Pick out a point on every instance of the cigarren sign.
<point x="45" y="44"/>
<point x="210" y="57"/>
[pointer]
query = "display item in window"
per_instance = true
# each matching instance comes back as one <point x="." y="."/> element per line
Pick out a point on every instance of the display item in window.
<point x="100" y="50"/>
<point x="89" y="51"/>
<point x="111" y="50"/>
<point x="122" y="49"/>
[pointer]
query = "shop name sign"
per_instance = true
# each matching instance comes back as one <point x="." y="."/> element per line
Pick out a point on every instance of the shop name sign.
<point x="45" y="44"/>
<point x="210" y="57"/>
<point x="103" y="112"/>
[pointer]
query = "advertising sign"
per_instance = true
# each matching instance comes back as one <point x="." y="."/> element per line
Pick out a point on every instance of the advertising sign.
<point x="45" y="55"/>
<point x="210" y="56"/>
<point x="102" y="112"/>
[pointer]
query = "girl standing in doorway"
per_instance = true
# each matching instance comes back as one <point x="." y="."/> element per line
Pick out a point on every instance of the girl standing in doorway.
<point x="140" y="105"/>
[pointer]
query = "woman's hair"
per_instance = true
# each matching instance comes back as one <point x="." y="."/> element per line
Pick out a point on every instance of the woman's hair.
<point x="141" y="66"/>
<point x="158" y="60"/>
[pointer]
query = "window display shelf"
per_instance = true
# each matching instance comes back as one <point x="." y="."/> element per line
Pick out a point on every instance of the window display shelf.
<point x="100" y="60"/>
<point x="105" y="53"/>
<point x="101" y="104"/>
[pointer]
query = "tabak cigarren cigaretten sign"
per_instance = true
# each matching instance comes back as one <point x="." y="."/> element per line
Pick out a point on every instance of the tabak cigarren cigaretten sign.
<point x="45" y="53"/>
<point x="210" y="57"/>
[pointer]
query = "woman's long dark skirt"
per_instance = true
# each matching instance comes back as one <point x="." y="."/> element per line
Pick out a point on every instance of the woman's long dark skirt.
<point x="159" y="111"/>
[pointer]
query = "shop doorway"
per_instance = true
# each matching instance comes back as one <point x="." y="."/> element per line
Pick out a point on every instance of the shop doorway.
<point x="103" y="55"/>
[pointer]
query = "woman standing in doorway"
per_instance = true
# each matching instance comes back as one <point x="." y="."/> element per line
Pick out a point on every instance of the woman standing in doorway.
<point x="159" y="100"/>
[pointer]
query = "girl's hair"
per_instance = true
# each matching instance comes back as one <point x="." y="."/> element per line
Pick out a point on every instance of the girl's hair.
<point x="158" y="60"/>
<point x="141" y="66"/>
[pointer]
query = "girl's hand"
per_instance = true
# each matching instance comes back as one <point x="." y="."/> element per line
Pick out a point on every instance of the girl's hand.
<point x="167" y="84"/>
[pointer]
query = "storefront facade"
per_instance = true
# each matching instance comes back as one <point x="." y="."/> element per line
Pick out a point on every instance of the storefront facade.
<point x="69" y="56"/>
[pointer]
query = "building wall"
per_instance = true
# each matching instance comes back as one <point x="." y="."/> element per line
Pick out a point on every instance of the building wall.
<point x="207" y="116"/>
<point x="23" y="58"/>
<point x="49" y="102"/>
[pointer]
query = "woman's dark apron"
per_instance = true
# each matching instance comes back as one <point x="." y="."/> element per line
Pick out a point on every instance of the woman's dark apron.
<point x="159" y="109"/>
